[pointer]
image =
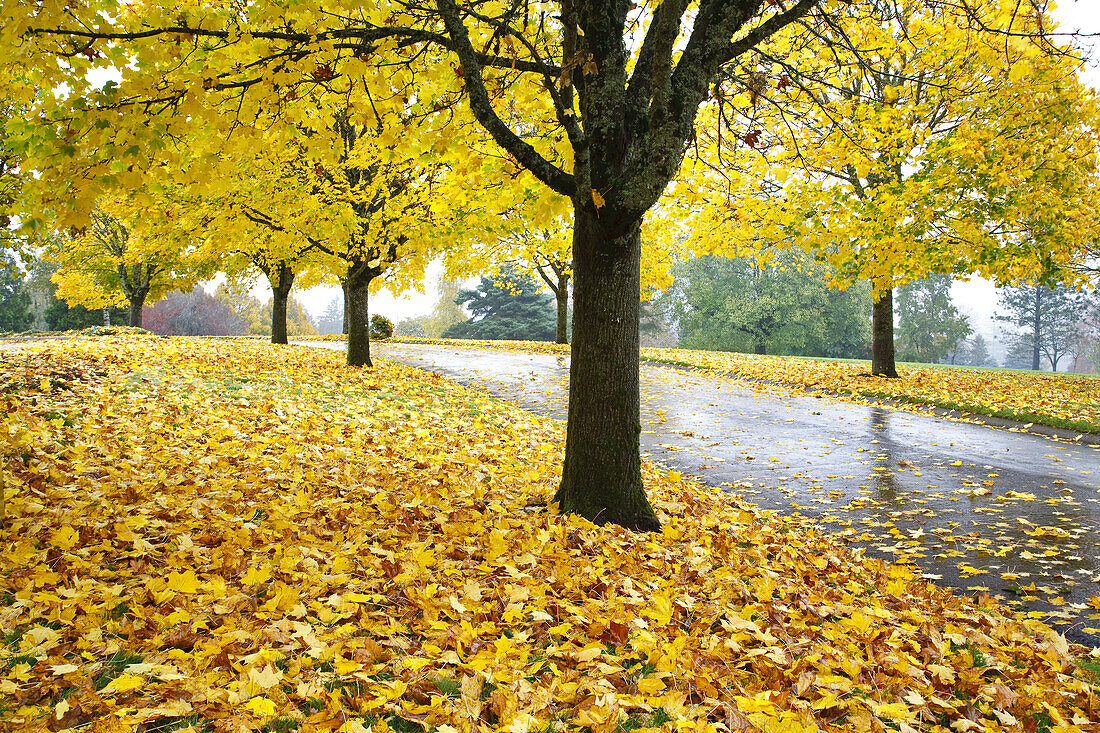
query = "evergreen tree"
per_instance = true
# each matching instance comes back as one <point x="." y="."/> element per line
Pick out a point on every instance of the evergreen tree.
<point x="977" y="352"/>
<point x="930" y="326"/>
<point x="1048" y="322"/>
<point x="331" y="321"/>
<point x="507" y="306"/>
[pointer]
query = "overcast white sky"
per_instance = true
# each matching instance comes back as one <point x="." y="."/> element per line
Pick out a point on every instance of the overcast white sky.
<point x="976" y="297"/>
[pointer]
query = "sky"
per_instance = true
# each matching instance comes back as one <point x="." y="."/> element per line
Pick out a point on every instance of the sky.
<point x="976" y="297"/>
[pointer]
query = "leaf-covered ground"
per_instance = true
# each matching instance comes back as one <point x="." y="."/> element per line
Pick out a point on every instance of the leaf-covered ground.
<point x="234" y="536"/>
<point x="1069" y="401"/>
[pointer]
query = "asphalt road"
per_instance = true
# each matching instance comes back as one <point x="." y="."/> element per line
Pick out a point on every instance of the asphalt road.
<point x="979" y="508"/>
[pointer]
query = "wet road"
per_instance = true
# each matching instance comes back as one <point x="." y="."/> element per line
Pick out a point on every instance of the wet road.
<point x="979" y="508"/>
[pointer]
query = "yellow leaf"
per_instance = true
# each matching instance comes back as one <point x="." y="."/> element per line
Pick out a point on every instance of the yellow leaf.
<point x="261" y="706"/>
<point x="651" y="685"/>
<point x="185" y="582"/>
<point x="125" y="683"/>
<point x="597" y="199"/>
<point x="65" y="538"/>
<point x="256" y="575"/>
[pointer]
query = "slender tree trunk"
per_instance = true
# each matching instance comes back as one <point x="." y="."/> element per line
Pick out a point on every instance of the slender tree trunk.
<point x="358" y="321"/>
<point x="882" y="335"/>
<point x="562" y="296"/>
<point x="602" y="477"/>
<point x="1036" y="331"/>
<point x="107" y="317"/>
<point x="137" y="304"/>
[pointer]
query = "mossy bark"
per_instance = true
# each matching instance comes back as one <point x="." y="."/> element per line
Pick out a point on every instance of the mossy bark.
<point x="602" y="476"/>
<point x="882" y="335"/>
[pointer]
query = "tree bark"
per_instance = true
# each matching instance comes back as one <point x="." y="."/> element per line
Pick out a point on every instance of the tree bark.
<point x="107" y="317"/>
<point x="347" y="308"/>
<point x="358" y="320"/>
<point x="1037" y="331"/>
<point x="602" y="477"/>
<point x="882" y="335"/>
<point x="281" y="279"/>
<point x="137" y="304"/>
<point x="562" y="297"/>
<point x="760" y="348"/>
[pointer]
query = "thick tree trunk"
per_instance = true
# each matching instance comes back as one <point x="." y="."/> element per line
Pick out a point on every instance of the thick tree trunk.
<point x="882" y="336"/>
<point x="602" y="477"/>
<point x="358" y="322"/>
<point x="137" y="304"/>
<point x="760" y="348"/>
<point x="281" y="278"/>
<point x="562" y="296"/>
<point x="347" y="308"/>
<point x="280" y="297"/>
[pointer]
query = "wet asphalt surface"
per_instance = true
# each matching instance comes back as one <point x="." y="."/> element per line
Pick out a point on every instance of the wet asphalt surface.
<point x="978" y="508"/>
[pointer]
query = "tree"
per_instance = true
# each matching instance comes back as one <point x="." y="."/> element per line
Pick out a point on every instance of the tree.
<point x="917" y="158"/>
<point x="596" y="100"/>
<point x="296" y="319"/>
<point x="445" y="313"/>
<point x="112" y="262"/>
<point x="331" y="320"/>
<point x="1046" y="321"/>
<point x="747" y="304"/>
<point x="196" y="313"/>
<point x="977" y="352"/>
<point x="507" y="306"/>
<point x="930" y="326"/>
<point x="15" y="301"/>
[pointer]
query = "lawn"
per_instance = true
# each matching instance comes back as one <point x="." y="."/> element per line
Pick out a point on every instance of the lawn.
<point x="223" y="535"/>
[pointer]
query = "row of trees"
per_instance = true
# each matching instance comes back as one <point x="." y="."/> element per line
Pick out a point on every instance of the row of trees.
<point x="894" y="139"/>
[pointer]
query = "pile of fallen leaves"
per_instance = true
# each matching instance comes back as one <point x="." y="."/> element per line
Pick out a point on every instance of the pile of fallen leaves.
<point x="1070" y="401"/>
<point x="230" y="535"/>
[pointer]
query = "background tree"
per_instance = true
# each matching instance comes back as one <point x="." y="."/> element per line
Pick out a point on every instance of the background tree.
<point x="745" y="304"/>
<point x="114" y="262"/>
<point x="445" y="313"/>
<point x="930" y="327"/>
<point x="506" y="306"/>
<point x="15" y="301"/>
<point x="977" y="353"/>
<point x="196" y="313"/>
<point x="1046" y="322"/>
<point x="331" y="320"/>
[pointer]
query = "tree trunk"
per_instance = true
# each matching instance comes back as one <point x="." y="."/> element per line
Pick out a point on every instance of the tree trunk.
<point x="1036" y="332"/>
<point x="107" y="317"/>
<point x="882" y="335"/>
<point x="281" y="279"/>
<point x="760" y="347"/>
<point x="358" y="321"/>
<point x="562" y="296"/>
<point x="137" y="304"/>
<point x="280" y="297"/>
<point x="347" y="308"/>
<point x="602" y="477"/>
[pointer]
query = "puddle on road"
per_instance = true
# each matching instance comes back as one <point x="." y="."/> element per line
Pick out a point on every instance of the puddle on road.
<point x="981" y="509"/>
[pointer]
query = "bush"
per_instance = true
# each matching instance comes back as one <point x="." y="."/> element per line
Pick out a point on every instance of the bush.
<point x="380" y="327"/>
